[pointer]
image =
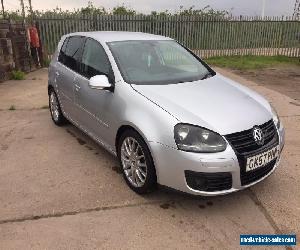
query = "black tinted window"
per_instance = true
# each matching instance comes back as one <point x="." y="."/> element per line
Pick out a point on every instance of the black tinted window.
<point x="71" y="52"/>
<point x="95" y="60"/>
<point x="64" y="46"/>
<point x="61" y="57"/>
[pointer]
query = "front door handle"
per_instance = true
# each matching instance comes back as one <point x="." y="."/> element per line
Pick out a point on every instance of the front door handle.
<point x="77" y="87"/>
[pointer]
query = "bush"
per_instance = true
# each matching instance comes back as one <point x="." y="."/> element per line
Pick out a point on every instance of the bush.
<point x="12" y="107"/>
<point x="46" y="62"/>
<point x="17" y="75"/>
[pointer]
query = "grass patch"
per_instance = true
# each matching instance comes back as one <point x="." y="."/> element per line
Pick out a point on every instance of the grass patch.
<point x="17" y="75"/>
<point x="46" y="62"/>
<point x="12" y="107"/>
<point x="251" y="62"/>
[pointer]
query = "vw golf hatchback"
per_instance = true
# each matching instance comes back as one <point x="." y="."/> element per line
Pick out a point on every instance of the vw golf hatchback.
<point x="167" y="116"/>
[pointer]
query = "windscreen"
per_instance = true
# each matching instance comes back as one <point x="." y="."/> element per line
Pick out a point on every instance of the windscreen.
<point x="156" y="62"/>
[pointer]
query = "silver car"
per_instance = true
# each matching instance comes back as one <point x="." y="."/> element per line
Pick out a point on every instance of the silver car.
<point x="168" y="117"/>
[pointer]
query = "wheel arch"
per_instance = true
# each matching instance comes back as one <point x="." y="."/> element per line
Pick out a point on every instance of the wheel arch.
<point x="129" y="126"/>
<point x="153" y="179"/>
<point x="50" y="87"/>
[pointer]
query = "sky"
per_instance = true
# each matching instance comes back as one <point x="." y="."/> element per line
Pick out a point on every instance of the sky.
<point x="237" y="7"/>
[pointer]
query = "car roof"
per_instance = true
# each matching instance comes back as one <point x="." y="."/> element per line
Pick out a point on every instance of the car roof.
<point x="113" y="36"/>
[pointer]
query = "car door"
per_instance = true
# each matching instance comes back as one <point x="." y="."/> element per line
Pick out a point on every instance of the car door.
<point x="93" y="104"/>
<point x="66" y="71"/>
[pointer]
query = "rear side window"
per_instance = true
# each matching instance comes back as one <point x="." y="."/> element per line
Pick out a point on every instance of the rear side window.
<point x="94" y="60"/>
<point x="70" y="52"/>
<point x="64" y="46"/>
<point x="62" y="53"/>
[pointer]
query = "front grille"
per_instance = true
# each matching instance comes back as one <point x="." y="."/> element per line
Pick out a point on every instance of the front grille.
<point x="245" y="146"/>
<point x="254" y="175"/>
<point x="243" y="142"/>
<point x="208" y="182"/>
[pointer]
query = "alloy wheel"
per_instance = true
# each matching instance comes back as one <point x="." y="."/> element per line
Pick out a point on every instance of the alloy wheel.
<point x="54" y="106"/>
<point x="133" y="162"/>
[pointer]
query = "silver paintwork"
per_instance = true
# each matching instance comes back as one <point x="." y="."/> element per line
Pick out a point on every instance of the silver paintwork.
<point x="216" y="103"/>
<point x="99" y="82"/>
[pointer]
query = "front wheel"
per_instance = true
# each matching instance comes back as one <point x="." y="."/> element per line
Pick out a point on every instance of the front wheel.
<point x="136" y="162"/>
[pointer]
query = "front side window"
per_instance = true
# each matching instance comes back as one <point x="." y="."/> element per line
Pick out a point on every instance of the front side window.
<point x="94" y="60"/>
<point x="157" y="62"/>
<point x="71" y="52"/>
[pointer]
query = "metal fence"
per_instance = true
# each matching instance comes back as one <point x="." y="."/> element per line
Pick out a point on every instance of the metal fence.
<point x="207" y="36"/>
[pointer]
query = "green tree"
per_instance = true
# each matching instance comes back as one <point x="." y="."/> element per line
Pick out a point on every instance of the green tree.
<point x="206" y="11"/>
<point x="91" y="9"/>
<point x="162" y="13"/>
<point x="123" y="10"/>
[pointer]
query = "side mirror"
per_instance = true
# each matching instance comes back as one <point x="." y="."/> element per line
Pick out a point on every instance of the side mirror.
<point x="100" y="82"/>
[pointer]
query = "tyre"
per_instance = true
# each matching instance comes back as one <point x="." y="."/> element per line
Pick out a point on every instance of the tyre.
<point x="55" y="110"/>
<point x="136" y="163"/>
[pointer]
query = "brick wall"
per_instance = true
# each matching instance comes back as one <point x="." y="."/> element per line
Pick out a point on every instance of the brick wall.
<point x="6" y="51"/>
<point x="14" y="49"/>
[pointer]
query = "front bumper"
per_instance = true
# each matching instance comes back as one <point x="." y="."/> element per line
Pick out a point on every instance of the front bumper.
<point x="171" y="165"/>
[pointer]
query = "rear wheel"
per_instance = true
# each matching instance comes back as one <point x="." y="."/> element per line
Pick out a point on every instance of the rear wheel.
<point x="136" y="162"/>
<point x="55" y="110"/>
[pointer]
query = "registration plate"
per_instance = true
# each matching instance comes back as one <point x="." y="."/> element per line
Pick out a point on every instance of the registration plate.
<point x="262" y="159"/>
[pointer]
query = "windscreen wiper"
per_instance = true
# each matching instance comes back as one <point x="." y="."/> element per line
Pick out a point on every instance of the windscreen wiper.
<point x="206" y="75"/>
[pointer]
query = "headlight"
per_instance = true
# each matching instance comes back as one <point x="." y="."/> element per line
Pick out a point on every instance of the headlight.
<point x="195" y="139"/>
<point x="275" y="117"/>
